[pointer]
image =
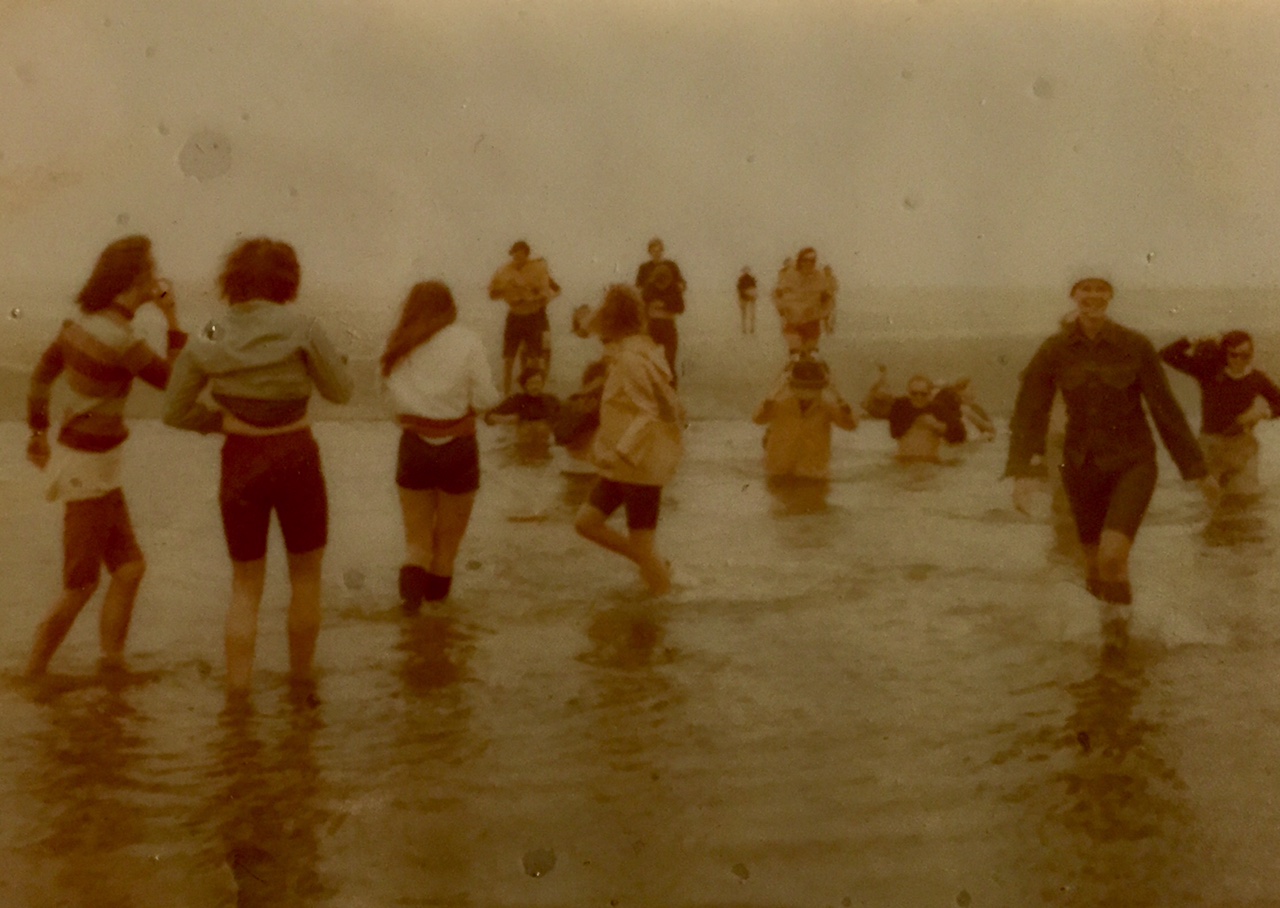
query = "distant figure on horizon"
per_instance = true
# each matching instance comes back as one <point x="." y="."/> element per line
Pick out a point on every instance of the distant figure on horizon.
<point x="1234" y="397"/>
<point x="923" y="419"/>
<point x="879" y="399"/>
<point x="260" y="362"/>
<point x="805" y="296"/>
<point x="1105" y="373"/>
<point x="798" y="416"/>
<point x="662" y="289"/>
<point x="638" y="446"/>
<point x="747" y="300"/>
<point x="526" y="286"/>
<point x="99" y="354"/>
<point x="438" y="378"/>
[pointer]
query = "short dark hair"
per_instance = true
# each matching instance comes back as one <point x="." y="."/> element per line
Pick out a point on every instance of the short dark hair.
<point x="1234" y="339"/>
<point x="118" y="268"/>
<point x="519" y="246"/>
<point x="1092" y="280"/>
<point x="261" y="269"/>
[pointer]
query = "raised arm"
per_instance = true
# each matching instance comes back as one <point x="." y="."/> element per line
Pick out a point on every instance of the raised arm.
<point x="1170" y="421"/>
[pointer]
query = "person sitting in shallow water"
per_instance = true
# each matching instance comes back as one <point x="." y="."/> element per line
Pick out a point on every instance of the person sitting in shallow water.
<point x="799" y="415"/>
<point x="922" y="420"/>
<point x="530" y="405"/>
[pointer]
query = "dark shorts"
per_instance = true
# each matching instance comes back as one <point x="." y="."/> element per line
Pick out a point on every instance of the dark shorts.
<point x="1108" y="500"/>
<point x="453" y="467"/>
<point x="96" y="531"/>
<point x="804" y="332"/>
<point x="641" y="502"/>
<point x="273" y="472"/>
<point x="530" y="330"/>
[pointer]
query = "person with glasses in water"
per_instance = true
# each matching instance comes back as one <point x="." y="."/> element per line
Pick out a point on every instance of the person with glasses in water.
<point x="1106" y="373"/>
<point x="1234" y="397"/>
<point x="922" y="420"/>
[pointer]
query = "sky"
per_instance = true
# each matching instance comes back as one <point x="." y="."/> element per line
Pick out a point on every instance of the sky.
<point x="914" y="142"/>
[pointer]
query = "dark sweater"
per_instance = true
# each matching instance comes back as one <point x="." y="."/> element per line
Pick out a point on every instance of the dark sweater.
<point x="1222" y="398"/>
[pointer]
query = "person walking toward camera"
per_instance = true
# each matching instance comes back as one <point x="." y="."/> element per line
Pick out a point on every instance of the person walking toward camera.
<point x="662" y="289"/>
<point x="1106" y="372"/>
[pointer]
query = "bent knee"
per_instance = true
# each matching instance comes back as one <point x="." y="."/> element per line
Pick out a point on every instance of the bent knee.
<point x="588" y="520"/>
<point x="132" y="572"/>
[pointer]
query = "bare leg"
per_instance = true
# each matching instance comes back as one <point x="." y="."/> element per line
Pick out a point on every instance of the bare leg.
<point x="117" y="611"/>
<point x="419" y="509"/>
<point x="453" y="512"/>
<point x="304" y="611"/>
<point x="57" y="622"/>
<point x="654" y="570"/>
<point x="1113" y="556"/>
<point x="247" y="579"/>
<point x="637" y="547"/>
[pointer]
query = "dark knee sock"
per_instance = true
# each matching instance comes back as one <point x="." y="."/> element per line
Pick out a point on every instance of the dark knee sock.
<point x="437" y="587"/>
<point x="414" y="585"/>
<point x="1115" y="591"/>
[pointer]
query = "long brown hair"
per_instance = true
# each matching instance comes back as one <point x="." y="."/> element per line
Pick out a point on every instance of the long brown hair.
<point x="428" y="308"/>
<point x="118" y="268"/>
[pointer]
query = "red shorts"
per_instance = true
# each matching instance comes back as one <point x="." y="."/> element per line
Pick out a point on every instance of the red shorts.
<point x="96" y="531"/>
<point x="280" y="473"/>
<point x="805" y="332"/>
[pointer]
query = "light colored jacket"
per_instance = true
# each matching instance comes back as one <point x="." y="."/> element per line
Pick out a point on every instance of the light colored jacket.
<point x="797" y="441"/>
<point x="261" y="361"/>
<point x="803" y="298"/>
<point x="639" y="439"/>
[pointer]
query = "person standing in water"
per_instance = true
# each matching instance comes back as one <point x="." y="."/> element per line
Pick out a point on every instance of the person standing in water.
<point x="261" y="361"/>
<point x="662" y="289"/>
<point x="526" y="286"/>
<point x="438" y="379"/>
<point x="747" y="300"/>
<point x="1105" y="373"/>
<point x="798" y="417"/>
<point x="638" y="446"/>
<point x="99" y="355"/>
<point x="923" y="419"/>
<point x="805" y="296"/>
<point x="1234" y="397"/>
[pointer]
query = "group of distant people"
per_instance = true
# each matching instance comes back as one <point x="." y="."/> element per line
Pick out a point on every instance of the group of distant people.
<point x="250" y="373"/>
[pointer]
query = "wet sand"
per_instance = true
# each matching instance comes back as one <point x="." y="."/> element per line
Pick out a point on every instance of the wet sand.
<point x="892" y="693"/>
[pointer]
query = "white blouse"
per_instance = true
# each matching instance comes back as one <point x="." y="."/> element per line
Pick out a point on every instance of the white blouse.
<point x="445" y="378"/>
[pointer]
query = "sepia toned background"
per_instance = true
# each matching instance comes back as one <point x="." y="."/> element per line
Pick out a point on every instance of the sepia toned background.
<point x="895" y="697"/>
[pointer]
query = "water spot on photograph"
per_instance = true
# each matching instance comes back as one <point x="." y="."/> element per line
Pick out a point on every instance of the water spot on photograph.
<point x="353" y="578"/>
<point x="213" y="331"/>
<point x="122" y="219"/>
<point x="539" y="861"/>
<point x="908" y="75"/>
<point x="151" y="52"/>
<point x="911" y="201"/>
<point x="741" y="871"/>
<point x="162" y="128"/>
<point x="15" y="312"/>
<point x="1151" y="257"/>
<point x="963" y="899"/>
<point x="1042" y="88"/>
<point x="206" y="156"/>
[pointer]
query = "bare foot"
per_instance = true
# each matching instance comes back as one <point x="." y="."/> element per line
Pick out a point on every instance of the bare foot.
<point x="657" y="576"/>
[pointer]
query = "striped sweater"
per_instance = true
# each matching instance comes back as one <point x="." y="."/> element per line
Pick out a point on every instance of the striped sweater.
<point x="100" y="357"/>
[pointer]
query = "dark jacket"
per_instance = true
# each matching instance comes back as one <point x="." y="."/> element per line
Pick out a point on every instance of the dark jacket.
<point x="1104" y="383"/>
<point x="1222" y="398"/>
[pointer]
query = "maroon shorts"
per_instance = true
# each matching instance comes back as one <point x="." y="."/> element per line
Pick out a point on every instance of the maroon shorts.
<point x="96" y="531"/>
<point x="278" y="473"/>
<point x="805" y="332"/>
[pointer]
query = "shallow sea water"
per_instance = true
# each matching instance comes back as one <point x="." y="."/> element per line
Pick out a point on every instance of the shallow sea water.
<point x="893" y="691"/>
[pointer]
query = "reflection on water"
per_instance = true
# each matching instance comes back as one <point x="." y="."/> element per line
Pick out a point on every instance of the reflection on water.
<point x="90" y="781"/>
<point x="1239" y="521"/>
<point x="268" y="804"/>
<point x="1109" y="811"/>
<point x="793" y="496"/>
